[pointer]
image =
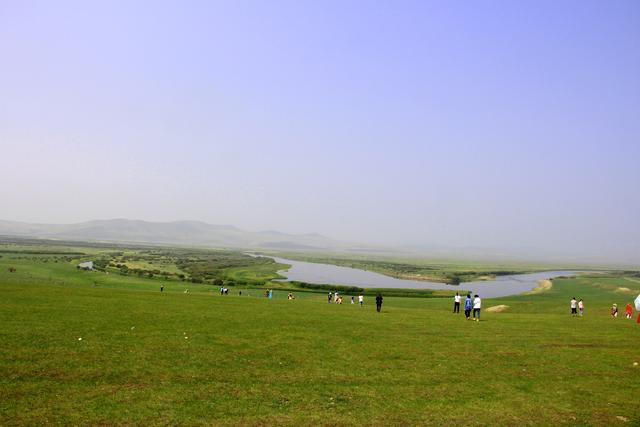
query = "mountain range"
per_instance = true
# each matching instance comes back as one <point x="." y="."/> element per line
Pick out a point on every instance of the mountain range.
<point x="192" y="233"/>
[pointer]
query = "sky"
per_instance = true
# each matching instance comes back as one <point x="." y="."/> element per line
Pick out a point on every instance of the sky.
<point x="486" y="124"/>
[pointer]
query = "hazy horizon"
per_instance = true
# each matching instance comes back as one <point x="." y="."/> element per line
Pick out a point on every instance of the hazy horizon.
<point x="430" y="124"/>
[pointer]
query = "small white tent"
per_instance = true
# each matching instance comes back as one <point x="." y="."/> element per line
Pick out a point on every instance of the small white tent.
<point x="88" y="265"/>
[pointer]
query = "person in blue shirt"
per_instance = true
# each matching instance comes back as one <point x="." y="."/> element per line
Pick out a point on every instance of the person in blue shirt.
<point x="468" y="305"/>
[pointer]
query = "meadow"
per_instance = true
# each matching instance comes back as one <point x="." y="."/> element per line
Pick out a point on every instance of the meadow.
<point x="100" y="347"/>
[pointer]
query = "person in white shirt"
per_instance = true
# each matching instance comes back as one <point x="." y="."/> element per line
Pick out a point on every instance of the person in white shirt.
<point x="456" y="303"/>
<point x="574" y="306"/>
<point x="477" y="303"/>
<point x="581" y="307"/>
<point x="360" y="299"/>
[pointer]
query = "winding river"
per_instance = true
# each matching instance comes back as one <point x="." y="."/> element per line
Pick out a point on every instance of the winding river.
<point x="311" y="272"/>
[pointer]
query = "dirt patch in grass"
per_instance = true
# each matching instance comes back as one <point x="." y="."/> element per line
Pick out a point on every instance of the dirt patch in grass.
<point x="498" y="309"/>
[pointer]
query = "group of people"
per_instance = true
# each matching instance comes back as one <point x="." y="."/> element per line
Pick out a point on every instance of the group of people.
<point x="577" y="306"/>
<point x="628" y="312"/>
<point x="469" y="305"/>
<point x="335" y="297"/>
<point x="577" y="309"/>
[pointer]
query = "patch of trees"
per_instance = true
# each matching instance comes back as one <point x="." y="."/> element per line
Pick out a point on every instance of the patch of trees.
<point x="213" y="266"/>
<point x="341" y="289"/>
<point x="100" y="264"/>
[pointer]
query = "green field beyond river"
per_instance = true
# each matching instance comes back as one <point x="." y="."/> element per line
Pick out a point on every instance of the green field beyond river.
<point x="87" y="347"/>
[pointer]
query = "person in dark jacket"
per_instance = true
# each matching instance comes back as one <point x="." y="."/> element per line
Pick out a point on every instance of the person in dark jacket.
<point x="468" y="305"/>
<point x="378" y="302"/>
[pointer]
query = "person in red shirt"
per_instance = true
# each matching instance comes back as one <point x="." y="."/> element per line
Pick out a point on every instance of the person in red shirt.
<point x="629" y="311"/>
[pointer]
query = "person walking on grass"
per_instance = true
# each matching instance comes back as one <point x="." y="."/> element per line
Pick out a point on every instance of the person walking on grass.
<point x="614" y="310"/>
<point x="161" y="288"/>
<point x="329" y="297"/>
<point x="456" y="303"/>
<point x="378" y="302"/>
<point x="360" y="299"/>
<point x="477" y="303"/>
<point x="353" y="299"/>
<point x="574" y="306"/>
<point x="468" y="305"/>
<point x="581" y="307"/>
<point x="628" y="311"/>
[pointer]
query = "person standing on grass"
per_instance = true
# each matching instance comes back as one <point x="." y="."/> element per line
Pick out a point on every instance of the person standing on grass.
<point x="456" y="303"/>
<point x="468" y="305"/>
<point x="329" y="297"/>
<point x="614" y="310"/>
<point x="378" y="302"/>
<point x="477" y="303"/>
<point x="360" y="299"/>
<point x="628" y="311"/>
<point x="353" y="299"/>
<point x="161" y="288"/>
<point x="574" y="306"/>
<point x="581" y="307"/>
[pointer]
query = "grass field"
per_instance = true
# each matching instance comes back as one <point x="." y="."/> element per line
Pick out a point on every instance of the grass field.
<point x="177" y="358"/>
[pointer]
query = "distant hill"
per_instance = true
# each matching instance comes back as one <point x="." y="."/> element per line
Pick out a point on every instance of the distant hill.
<point x="194" y="233"/>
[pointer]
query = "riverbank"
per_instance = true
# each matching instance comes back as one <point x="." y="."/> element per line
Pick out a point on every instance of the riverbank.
<point x="543" y="285"/>
<point x="327" y="274"/>
<point x="424" y="269"/>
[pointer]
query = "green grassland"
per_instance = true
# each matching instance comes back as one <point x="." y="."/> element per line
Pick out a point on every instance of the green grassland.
<point x="433" y="270"/>
<point x="176" y="358"/>
<point x="190" y="265"/>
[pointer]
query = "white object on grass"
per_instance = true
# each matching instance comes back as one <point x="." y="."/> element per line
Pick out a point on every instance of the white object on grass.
<point x="637" y="303"/>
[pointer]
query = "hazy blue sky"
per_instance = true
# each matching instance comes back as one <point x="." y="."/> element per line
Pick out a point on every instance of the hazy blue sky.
<point x="479" y="123"/>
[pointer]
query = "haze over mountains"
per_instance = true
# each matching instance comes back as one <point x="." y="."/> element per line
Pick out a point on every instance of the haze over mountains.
<point x="201" y="234"/>
<point x="193" y="233"/>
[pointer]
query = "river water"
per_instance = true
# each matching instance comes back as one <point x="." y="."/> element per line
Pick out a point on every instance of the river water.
<point x="312" y="272"/>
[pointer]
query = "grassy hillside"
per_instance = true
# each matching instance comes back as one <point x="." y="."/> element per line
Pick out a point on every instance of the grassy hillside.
<point x="154" y="358"/>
